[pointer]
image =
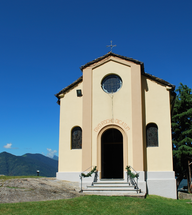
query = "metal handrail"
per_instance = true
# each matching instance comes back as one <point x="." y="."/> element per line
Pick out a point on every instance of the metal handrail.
<point x="81" y="177"/>
<point x="132" y="180"/>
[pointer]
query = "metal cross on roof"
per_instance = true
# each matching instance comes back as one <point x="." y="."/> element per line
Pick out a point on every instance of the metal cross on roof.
<point x="111" y="46"/>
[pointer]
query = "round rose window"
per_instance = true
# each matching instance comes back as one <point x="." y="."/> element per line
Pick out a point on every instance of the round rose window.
<point x="111" y="83"/>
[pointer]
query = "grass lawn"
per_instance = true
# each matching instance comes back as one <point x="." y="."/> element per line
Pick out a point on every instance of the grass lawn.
<point x="101" y="205"/>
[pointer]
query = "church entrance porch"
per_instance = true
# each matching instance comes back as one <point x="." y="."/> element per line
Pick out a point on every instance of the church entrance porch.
<point x="112" y="154"/>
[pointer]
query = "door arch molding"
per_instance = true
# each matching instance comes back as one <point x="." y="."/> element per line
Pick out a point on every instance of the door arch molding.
<point x="125" y="145"/>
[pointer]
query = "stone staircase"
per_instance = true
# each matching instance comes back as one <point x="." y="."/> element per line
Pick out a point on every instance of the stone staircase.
<point x="113" y="187"/>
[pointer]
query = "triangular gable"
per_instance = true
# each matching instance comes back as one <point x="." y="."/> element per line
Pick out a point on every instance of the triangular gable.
<point x="79" y="80"/>
<point x="114" y="55"/>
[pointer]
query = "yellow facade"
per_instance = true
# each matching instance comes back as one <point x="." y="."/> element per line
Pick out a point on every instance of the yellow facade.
<point x="67" y="157"/>
<point x="157" y="109"/>
<point x="108" y="108"/>
<point x="101" y="110"/>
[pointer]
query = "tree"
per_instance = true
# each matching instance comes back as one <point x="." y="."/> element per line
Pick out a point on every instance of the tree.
<point x="182" y="133"/>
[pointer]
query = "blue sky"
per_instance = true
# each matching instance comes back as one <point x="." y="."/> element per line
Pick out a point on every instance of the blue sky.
<point x="43" y="44"/>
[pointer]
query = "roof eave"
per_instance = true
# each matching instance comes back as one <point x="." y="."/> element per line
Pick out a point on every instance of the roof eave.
<point x="69" y="87"/>
<point x="159" y="80"/>
<point x="115" y="55"/>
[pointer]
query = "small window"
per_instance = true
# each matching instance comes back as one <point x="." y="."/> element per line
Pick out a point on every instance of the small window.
<point x="111" y="83"/>
<point x="76" y="138"/>
<point x="152" y="135"/>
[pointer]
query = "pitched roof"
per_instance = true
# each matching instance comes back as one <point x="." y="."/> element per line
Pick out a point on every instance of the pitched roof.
<point x="75" y="83"/>
<point x="159" y="80"/>
<point x="115" y="55"/>
<point x="70" y="87"/>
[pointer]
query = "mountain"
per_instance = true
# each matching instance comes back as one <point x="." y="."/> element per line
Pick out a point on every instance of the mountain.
<point x="27" y="164"/>
<point x="55" y="157"/>
<point x="42" y="159"/>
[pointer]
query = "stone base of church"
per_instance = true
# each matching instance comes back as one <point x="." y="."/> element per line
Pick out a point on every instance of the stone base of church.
<point x="162" y="184"/>
<point x="75" y="177"/>
<point x="87" y="181"/>
<point x="153" y="183"/>
<point x="68" y="176"/>
<point x="142" y="182"/>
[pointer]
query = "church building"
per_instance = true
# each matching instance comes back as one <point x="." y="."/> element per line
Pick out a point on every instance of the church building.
<point x="116" y="115"/>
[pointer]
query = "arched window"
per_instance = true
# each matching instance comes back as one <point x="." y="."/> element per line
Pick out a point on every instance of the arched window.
<point x="152" y="135"/>
<point x="76" y="138"/>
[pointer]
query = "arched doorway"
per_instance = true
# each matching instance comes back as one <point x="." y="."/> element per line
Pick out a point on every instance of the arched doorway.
<point x="111" y="154"/>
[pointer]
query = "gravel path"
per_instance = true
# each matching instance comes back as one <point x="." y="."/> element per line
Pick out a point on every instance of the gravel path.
<point x="37" y="189"/>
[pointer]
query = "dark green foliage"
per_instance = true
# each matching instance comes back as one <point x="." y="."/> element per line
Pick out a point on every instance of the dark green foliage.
<point x="182" y="130"/>
<point x="89" y="173"/>
<point x="132" y="175"/>
<point x="27" y="164"/>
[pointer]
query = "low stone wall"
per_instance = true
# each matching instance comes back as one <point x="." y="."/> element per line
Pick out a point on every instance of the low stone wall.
<point x="182" y="195"/>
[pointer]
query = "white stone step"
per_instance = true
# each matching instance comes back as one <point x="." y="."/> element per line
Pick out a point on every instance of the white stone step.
<point x="111" y="181"/>
<point x="110" y="188"/>
<point x="116" y="193"/>
<point x="111" y="191"/>
<point x="111" y="184"/>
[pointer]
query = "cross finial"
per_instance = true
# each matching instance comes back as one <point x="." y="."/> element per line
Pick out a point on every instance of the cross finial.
<point x="111" y="46"/>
